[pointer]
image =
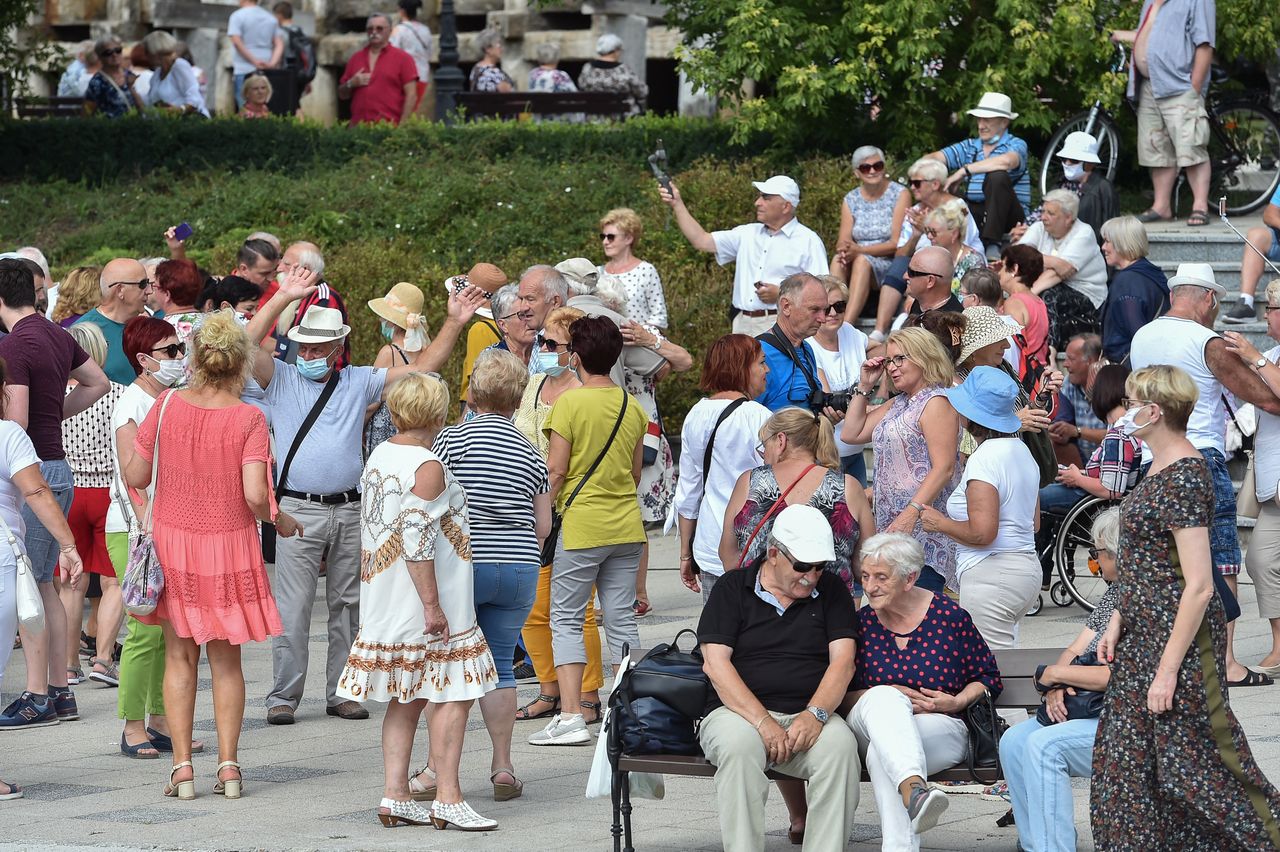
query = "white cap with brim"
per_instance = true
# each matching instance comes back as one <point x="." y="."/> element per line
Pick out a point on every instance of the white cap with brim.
<point x="806" y="534"/>
<point x="781" y="186"/>
<point x="1197" y="275"/>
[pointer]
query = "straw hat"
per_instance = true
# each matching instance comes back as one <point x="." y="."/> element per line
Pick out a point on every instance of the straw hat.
<point x="402" y="306"/>
<point x="486" y="276"/>
<point x="982" y="327"/>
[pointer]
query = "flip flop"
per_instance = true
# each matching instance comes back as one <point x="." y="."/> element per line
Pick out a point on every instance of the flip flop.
<point x="1153" y="216"/>
<point x="162" y="742"/>
<point x="1198" y="219"/>
<point x="1252" y="679"/>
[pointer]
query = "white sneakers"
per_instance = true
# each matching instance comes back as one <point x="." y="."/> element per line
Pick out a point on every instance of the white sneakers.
<point x="564" y="729"/>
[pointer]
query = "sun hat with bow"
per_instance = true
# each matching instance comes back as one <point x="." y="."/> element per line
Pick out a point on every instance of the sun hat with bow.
<point x="982" y="327"/>
<point x="402" y="307"/>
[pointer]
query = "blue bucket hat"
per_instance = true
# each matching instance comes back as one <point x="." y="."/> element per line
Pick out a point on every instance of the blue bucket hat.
<point x="987" y="397"/>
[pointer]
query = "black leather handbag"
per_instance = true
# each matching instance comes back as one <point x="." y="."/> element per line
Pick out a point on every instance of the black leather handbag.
<point x="1085" y="704"/>
<point x="985" y="729"/>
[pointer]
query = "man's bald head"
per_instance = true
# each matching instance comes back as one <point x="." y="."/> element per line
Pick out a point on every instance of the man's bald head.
<point x="934" y="259"/>
<point x="121" y="269"/>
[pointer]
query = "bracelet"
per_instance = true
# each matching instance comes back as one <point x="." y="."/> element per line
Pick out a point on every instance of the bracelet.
<point x="686" y="558"/>
<point x="919" y="507"/>
<point x="860" y="392"/>
<point x="761" y="722"/>
<point x="1078" y="433"/>
<point x="67" y="548"/>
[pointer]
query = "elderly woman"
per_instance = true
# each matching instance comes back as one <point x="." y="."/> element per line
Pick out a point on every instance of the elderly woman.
<point x="607" y="73"/>
<point x="920" y="662"/>
<point x="626" y="275"/>
<point x="404" y="329"/>
<point x="509" y="510"/>
<point x="487" y="75"/>
<point x="216" y="592"/>
<point x="1041" y="755"/>
<point x="870" y="221"/>
<point x="595" y="435"/>
<point x="1138" y="291"/>
<point x="1019" y="267"/>
<point x="79" y="293"/>
<point x="717" y="446"/>
<point x="994" y="511"/>
<point x="419" y="639"/>
<point x="551" y="380"/>
<point x="840" y="348"/>
<point x="546" y="76"/>
<point x="945" y="228"/>
<point x="256" y="92"/>
<point x="174" y="86"/>
<point x="1074" y="281"/>
<point x="916" y="438"/>
<point x="517" y="337"/>
<point x="111" y="90"/>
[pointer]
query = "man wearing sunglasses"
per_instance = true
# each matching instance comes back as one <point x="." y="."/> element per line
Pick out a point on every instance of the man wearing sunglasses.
<point x="125" y="287"/>
<point x="778" y="645"/>
<point x="380" y="79"/>
<point x="763" y="253"/>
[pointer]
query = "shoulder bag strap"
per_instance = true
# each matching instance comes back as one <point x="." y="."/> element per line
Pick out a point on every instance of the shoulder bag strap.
<point x="595" y="464"/>
<point x="783" y="345"/>
<point x="400" y="352"/>
<point x="155" y="463"/>
<point x="312" y="416"/>
<point x="711" y="441"/>
<point x="777" y="505"/>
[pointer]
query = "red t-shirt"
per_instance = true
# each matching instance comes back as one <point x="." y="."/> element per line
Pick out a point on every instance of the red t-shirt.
<point x="383" y="98"/>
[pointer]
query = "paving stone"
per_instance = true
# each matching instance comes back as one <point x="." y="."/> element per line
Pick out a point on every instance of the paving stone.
<point x="48" y="792"/>
<point x="145" y="816"/>
<point x="283" y="774"/>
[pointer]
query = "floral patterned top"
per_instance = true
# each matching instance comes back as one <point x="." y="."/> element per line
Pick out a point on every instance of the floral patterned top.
<point x="969" y="259"/>
<point x="657" y="480"/>
<point x="902" y="463"/>
<point x="641" y="292"/>
<point x="873" y="221"/>
<point x="550" y="80"/>
<point x="599" y="75"/>
<point x="109" y="99"/>
<point x="487" y="78"/>
<point x="829" y="499"/>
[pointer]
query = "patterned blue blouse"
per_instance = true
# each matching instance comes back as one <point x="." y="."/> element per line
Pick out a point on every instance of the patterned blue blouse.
<point x="108" y="98"/>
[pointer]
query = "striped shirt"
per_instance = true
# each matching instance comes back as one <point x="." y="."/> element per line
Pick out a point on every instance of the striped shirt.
<point x="501" y="473"/>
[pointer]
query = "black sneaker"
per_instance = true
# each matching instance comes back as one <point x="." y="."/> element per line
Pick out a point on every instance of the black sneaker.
<point x="1241" y="313"/>
<point x="525" y="674"/>
<point x="64" y="704"/>
<point x="28" y="711"/>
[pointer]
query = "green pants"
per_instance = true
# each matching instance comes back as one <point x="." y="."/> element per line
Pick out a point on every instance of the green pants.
<point x="142" y="661"/>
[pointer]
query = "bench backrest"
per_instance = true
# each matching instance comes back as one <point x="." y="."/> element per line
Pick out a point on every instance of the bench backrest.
<point x="512" y="104"/>
<point x="49" y="107"/>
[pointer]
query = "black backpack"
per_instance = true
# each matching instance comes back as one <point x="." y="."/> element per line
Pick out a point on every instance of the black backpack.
<point x="300" y="54"/>
<point x="657" y="705"/>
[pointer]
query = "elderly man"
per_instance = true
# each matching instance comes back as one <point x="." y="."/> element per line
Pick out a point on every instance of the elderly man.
<point x="389" y="95"/>
<point x="778" y="645"/>
<point x="256" y="43"/>
<point x="125" y="288"/>
<point x="1168" y="77"/>
<point x="793" y="368"/>
<point x="1074" y="282"/>
<point x="1076" y="431"/>
<point x="995" y="165"/>
<point x="763" y="253"/>
<point x="1184" y="337"/>
<point x="317" y="485"/>
<point x="929" y="282"/>
<point x="39" y="358"/>
<point x="308" y="256"/>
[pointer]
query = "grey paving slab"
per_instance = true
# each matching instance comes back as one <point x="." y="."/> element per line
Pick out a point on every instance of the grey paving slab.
<point x="143" y="816"/>
<point x="54" y="792"/>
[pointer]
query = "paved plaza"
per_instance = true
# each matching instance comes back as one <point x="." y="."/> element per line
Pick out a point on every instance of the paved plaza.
<point x="315" y="785"/>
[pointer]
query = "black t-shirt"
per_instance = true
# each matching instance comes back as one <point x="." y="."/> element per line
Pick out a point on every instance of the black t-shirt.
<point x="951" y="304"/>
<point x="781" y="658"/>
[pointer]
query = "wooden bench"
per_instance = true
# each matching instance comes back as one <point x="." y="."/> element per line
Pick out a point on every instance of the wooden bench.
<point x="49" y="107"/>
<point x="1017" y="671"/>
<point x="517" y="104"/>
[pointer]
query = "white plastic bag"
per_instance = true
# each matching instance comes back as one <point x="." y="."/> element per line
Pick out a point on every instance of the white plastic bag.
<point x="30" y="606"/>
<point x="644" y="785"/>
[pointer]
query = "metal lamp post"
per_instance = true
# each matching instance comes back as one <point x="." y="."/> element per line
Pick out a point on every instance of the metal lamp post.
<point x="449" y="75"/>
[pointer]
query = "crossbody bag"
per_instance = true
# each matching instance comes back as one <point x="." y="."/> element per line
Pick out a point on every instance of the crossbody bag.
<point x="269" y="529"/>
<point x="774" y="509"/>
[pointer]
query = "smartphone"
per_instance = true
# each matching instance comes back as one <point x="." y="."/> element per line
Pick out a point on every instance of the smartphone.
<point x="182" y="232"/>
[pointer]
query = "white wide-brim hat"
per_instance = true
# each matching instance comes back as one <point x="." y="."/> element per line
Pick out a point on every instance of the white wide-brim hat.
<point x="320" y="325"/>
<point x="1079" y="146"/>
<point x="1197" y="275"/>
<point x="994" y="105"/>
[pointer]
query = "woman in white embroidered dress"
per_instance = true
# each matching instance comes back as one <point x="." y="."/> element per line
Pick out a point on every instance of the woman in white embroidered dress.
<point x="418" y="640"/>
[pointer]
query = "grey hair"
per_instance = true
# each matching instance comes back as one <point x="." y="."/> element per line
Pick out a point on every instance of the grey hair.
<point x="487" y="38"/>
<point x="1127" y="235"/>
<point x="503" y="300"/>
<point x="150" y="263"/>
<point x="898" y="551"/>
<point x="984" y="283"/>
<point x="1105" y="531"/>
<point x="1068" y="202"/>
<point x="928" y="169"/>
<point x="311" y="260"/>
<point x="793" y="284"/>
<point x="375" y="15"/>
<point x="547" y="53"/>
<point x="864" y="151"/>
<point x="1273" y="292"/>
<point x="160" y="42"/>
<point x="266" y="237"/>
<point x="100" y="46"/>
<point x="37" y="257"/>
<point x="1090" y="345"/>
<point x="91" y="340"/>
<point x="553" y="283"/>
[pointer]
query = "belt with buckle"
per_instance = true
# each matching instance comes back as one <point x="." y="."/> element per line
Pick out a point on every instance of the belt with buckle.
<point x="352" y="496"/>
<point x="767" y="312"/>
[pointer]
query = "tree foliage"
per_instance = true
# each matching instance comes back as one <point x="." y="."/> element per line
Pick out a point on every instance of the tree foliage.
<point x="907" y="68"/>
<point x="24" y="48"/>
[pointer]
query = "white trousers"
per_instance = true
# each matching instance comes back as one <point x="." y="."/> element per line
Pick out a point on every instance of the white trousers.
<point x="895" y="744"/>
<point x="998" y="592"/>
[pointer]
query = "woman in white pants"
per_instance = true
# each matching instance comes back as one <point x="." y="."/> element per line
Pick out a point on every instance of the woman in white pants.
<point x="994" y="511"/>
<point x="920" y="662"/>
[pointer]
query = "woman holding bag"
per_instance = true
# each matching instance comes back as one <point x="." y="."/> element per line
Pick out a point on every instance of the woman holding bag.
<point x="20" y="481"/>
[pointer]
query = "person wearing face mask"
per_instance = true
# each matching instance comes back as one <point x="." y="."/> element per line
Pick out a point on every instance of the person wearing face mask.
<point x="320" y="472"/>
<point x="1099" y="200"/>
<point x="402" y="325"/>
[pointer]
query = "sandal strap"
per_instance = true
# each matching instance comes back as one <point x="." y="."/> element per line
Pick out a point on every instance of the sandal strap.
<point x="591" y="705"/>
<point x="177" y="766"/>
<point x="498" y="772"/>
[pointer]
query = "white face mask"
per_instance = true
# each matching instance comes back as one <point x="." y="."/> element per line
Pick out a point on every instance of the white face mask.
<point x="170" y="372"/>
<point x="1073" y="171"/>
<point x="1126" y="422"/>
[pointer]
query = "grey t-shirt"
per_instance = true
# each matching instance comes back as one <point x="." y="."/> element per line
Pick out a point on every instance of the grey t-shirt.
<point x="257" y="28"/>
<point x="328" y="461"/>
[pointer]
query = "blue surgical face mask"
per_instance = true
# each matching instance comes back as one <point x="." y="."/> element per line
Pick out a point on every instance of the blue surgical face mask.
<point x="315" y="369"/>
<point x="548" y="363"/>
<point x="388" y="330"/>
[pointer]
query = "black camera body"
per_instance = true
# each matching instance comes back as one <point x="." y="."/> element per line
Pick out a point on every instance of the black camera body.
<point x="820" y="400"/>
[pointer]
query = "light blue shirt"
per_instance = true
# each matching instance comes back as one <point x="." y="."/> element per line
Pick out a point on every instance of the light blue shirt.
<point x="767" y="596"/>
<point x="970" y="151"/>
<point x="1179" y="28"/>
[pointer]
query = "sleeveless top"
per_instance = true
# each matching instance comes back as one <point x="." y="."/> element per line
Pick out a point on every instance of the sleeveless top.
<point x="829" y="499"/>
<point x="1181" y="342"/>
<point x="380" y="427"/>
<point x="1036" y="330"/>
<point x="873" y="220"/>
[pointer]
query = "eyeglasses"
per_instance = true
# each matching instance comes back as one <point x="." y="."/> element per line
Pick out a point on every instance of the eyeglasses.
<point x="375" y="29"/>
<point x="760" y="445"/>
<point x="1135" y="403"/>
<point x="897" y="360"/>
<point x="798" y="566"/>
<point x="547" y="345"/>
<point x="506" y="317"/>
<point x="919" y="273"/>
<point x="837" y="308"/>
<point x="1094" y="551"/>
<point x="112" y="51"/>
<point x="931" y="232"/>
<point x="608" y="238"/>
<point x="1269" y="308"/>
<point x="868" y="168"/>
<point x="173" y="350"/>
<point x="141" y="285"/>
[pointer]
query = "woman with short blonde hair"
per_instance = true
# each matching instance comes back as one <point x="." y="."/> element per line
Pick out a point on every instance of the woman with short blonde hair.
<point x="945" y="227"/>
<point x="1138" y="291"/>
<point x="78" y="294"/>
<point x="635" y="280"/>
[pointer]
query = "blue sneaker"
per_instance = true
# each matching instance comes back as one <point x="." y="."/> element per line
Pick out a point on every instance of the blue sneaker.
<point x="27" y="711"/>
<point x="64" y="704"/>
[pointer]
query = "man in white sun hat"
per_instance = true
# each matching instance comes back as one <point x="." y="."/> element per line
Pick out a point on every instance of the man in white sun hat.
<point x="763" y="253"/>
<point x="994" y="163"/>
<point x="319" y="473"/>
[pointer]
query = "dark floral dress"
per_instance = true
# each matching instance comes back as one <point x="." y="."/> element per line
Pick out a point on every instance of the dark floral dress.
<point x="1184" y="779"/>
<point x="828" y="499"/>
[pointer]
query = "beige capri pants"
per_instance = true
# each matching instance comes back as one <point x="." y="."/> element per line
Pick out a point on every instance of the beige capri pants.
<point x="1262" y="561"/>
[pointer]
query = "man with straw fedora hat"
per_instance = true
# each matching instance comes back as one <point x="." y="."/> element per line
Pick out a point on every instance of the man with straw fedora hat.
<point x="995" y="165"/>
<point x="320" y="471"/>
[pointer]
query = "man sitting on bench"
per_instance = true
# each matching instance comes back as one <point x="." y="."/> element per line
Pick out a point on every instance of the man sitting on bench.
<point x="777" y="641"/>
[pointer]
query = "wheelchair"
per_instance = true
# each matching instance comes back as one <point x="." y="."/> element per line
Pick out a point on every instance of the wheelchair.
<point x="1071" y="575"/>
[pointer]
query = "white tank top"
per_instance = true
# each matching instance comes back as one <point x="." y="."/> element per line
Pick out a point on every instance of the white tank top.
<point x="1181" y="343"/>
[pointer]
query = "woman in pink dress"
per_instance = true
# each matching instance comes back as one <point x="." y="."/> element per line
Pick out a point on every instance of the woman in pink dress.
<point x="205" y="530"/>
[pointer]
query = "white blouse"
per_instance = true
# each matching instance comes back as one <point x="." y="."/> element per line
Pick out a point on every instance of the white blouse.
<point x="641" y="288"/>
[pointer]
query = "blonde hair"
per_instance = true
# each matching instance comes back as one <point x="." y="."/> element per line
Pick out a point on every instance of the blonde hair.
<point x="807" y="431"/>
<point x="833" y="284"/>
<point x="951" y="216"/>
<point x="219" y="352"/>
<point x="90" y="338"/>
<point x="920" y="345"/>
<point x="498" y="380"/>
<point x="1168" y="387"/>
<point x="258" y="80"/>
<point x="561" y="318"/>
<point x="1127" y="235"/>
<point x="78" y="293"/>
<point x="927" y="168"/>
<point x="626" y="220"/>
<point x="418" y="401"/>
<point x="1273" y="292"/>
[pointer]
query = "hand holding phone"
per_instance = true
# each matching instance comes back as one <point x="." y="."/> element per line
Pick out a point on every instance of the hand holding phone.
<point x="182" y="232"/>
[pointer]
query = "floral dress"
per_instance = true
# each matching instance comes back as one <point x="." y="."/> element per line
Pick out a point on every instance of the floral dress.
<point x="969" y="259"/>
<point x="641" y="292"/>
<point x="657" y="480"/>
<point x="873" y="222"/>
<point x="487" y="78"/>
<point x="829" y="499"/>
<point x="1186" y="778"/>
<point x="600" y="75"/>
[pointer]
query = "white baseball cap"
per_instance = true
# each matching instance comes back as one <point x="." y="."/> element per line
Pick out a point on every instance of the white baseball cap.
<point x="779" y="185"/>
<point x="805" y="533"/>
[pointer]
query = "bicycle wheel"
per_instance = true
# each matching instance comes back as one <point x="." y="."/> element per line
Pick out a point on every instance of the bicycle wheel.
<point x="1244" y="153"/>
<point x="1081" y="575"/>
<point x="1102" y="127"/>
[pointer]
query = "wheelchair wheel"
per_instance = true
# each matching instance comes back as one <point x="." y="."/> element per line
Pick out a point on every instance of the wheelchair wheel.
<point x="1037" y="606"/>
<point x="1080" y="575"/>
<point x="1061" y="597"/>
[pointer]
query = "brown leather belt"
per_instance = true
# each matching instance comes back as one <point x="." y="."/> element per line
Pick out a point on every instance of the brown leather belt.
<point x="767" y="312"/>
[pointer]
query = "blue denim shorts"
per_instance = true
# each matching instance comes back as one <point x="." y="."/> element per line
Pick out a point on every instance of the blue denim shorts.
<point x="1223" y="540"/>
<point x="42" y="547"/>
<point x="1273" y="253"/>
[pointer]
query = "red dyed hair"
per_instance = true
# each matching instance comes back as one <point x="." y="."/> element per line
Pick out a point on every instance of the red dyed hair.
<point x="180" y="279"/>
<point x="728" y="364"/>
<point x="141" y="334"/>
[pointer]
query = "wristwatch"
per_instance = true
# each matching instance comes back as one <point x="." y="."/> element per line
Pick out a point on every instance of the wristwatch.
<point x="1260" y="363"/>
<point x="818" y="713"/>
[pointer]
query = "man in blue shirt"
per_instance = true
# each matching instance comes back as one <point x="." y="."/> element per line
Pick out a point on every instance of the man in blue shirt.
<point x="793" y="369"/>
<point x="995" y="166"/>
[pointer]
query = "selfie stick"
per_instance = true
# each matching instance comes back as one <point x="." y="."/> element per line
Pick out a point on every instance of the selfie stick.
<point x="1222" y="212"/>
<point x="658" y="163"/>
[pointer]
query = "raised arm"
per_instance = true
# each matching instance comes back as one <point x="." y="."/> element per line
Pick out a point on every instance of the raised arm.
<point x="432" y="358"/>
<point x="298" y="284"/>
<point x="693" y="232"/>
<point x="1238" y="378"/>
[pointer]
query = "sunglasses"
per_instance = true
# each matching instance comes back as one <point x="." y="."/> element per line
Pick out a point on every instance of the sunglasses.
<point x="141" y="285"/>
<point x="608" y="238"/>
<point x="1094" y="551"/>
<point x="801" y="567"/>
<point x="837" y="308"/>
<point x="916" y="183"/>
<point x="919" y="273"/>
<point x="1072" y="162"/>
<point x="375" y="29"/>
<point x="173" y="350"/>
<point x="551" y="346"/>
<point x="868" y="168"/>
<point x="113" y="51"/>
<point x="931" y="232"/>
